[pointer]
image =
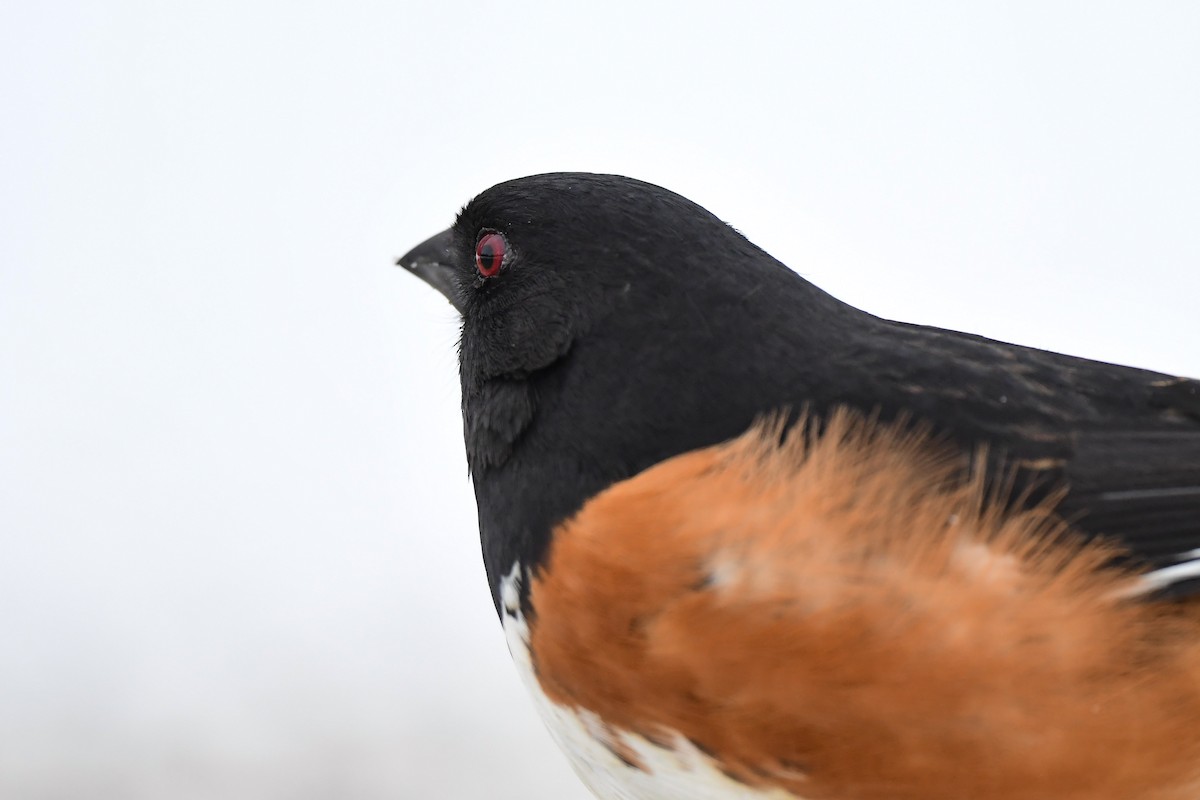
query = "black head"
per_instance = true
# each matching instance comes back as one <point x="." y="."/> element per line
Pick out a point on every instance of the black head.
<point x="607" y="323"/>
<point x="535" y="263"/>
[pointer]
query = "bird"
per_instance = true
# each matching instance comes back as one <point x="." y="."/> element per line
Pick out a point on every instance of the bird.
<point x="746" y="540"/>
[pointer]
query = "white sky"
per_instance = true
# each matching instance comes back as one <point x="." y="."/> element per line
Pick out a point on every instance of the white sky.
<point x="238" y="554"/>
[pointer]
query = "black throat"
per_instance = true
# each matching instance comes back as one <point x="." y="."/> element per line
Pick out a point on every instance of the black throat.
<point x="541" y="443"/>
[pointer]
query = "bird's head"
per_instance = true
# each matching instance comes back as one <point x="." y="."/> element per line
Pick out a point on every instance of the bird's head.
<point x="640" y="288"/>
<point x="609" y="323"/>
<point x="536" y="264"/>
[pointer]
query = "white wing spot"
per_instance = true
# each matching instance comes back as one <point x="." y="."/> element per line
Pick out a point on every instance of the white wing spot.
<point x="1187" y="568"/>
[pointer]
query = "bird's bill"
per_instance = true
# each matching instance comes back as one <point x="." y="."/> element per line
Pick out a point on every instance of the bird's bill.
<point x="431" y="262"/>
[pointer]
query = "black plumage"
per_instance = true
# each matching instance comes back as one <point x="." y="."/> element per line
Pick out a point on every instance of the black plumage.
<point x="628" y="324"/>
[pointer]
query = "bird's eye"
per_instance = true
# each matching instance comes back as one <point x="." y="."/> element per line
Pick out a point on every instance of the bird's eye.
<point x="489" y="254"/>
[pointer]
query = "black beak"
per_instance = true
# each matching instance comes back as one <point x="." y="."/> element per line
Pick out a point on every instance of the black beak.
<point x="431" y="261"/>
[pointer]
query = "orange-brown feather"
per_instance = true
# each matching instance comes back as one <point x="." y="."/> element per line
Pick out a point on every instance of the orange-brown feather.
<point x="845" y="616"/>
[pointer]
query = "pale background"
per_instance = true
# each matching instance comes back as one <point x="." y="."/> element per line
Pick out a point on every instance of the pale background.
<point x="238" y="556"/>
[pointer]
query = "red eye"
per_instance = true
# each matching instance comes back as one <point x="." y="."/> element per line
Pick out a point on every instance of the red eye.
<point x="489" y="254"/>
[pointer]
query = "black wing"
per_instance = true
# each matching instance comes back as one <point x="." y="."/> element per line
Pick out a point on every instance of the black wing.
<point x="1124" y="442"/>
<point x="1142" y="488"/>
